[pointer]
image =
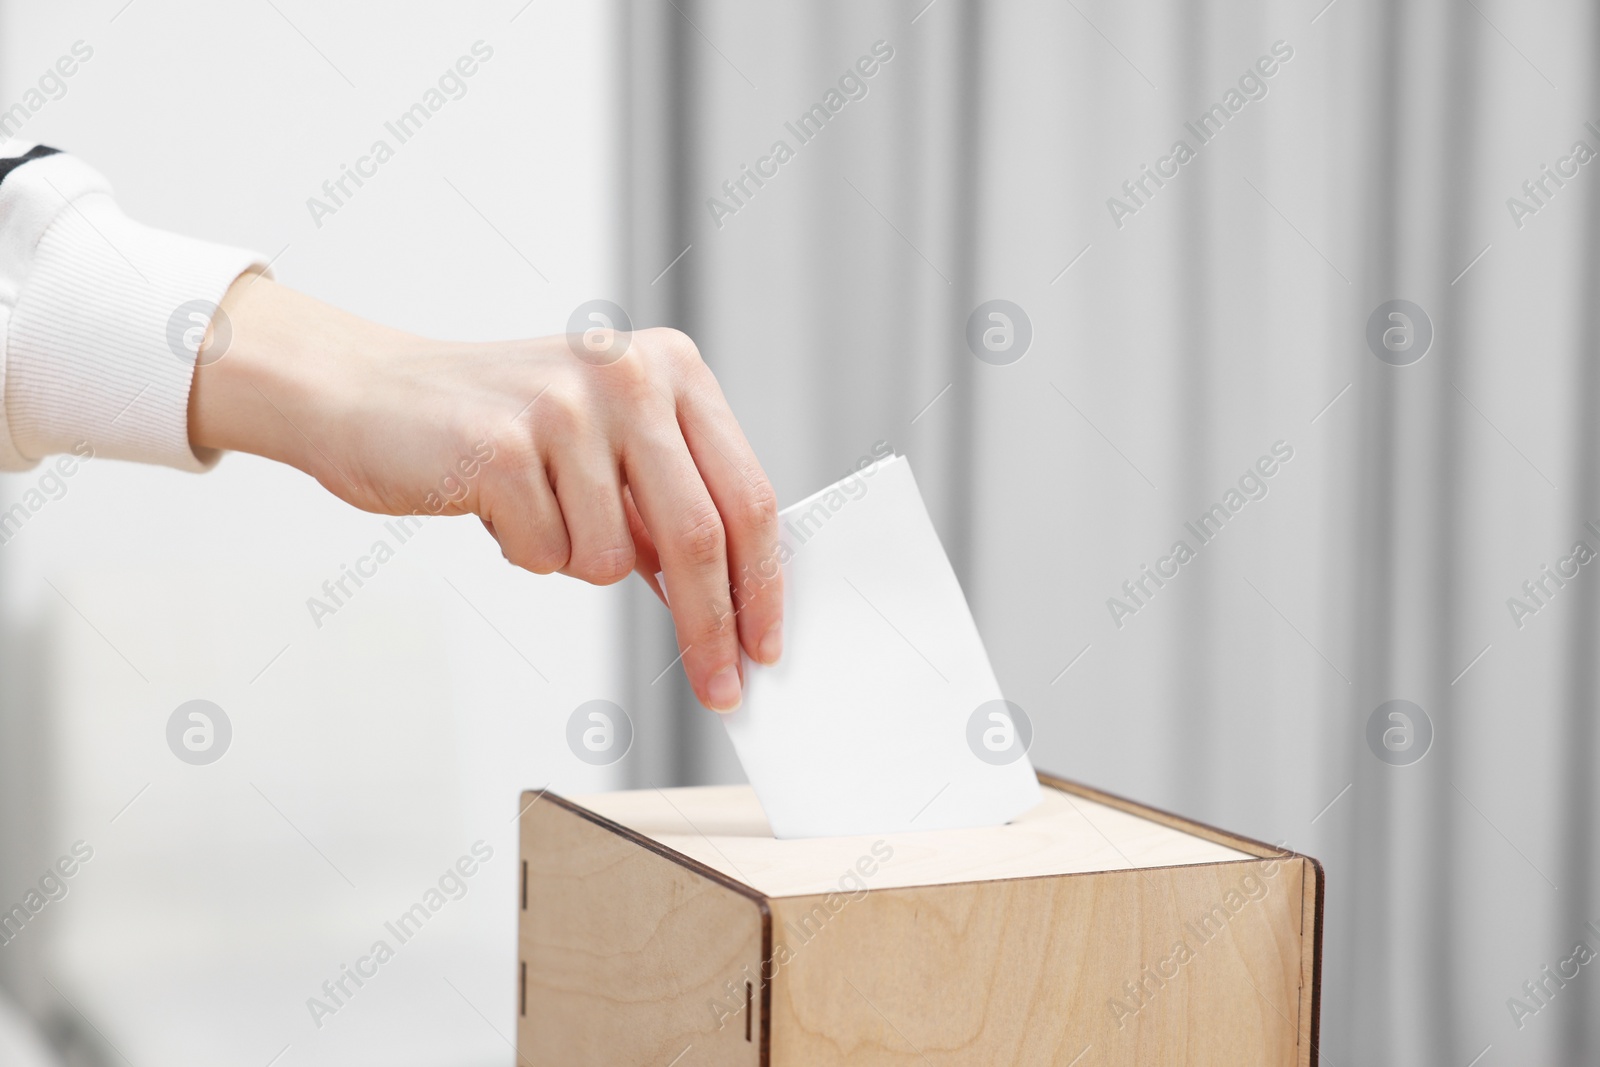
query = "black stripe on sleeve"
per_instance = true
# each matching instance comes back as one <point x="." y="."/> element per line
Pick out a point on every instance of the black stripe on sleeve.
<point x="36" y="152"/>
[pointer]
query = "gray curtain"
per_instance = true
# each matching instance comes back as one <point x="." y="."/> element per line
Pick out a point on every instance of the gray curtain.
<point x="829" y="347"/>
<point x="1176" y="341"/>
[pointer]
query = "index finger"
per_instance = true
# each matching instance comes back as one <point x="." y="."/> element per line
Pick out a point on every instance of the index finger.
<point x="749" y="511"/>
<point x="683" y="522"/>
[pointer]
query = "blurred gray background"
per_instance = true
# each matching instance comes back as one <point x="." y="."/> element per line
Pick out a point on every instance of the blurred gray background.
<point x="1239" y="306"/>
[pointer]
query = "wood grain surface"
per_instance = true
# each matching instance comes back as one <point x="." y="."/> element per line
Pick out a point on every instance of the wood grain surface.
<point x="673" y="930"/>
<point x="1080" y="969"/>
<point x="624" y="953"/>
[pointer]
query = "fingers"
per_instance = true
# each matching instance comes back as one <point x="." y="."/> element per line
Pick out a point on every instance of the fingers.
<point x="683" y="523"/>
<point x="647" y="561"/>
<point x="639" y="463"/>
<point x="521" y="511"/>
<point x="589" y="488"/>
<point x="749" y="511"/>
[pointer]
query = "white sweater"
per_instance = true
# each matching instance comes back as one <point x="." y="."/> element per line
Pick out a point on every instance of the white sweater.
<point x="100" y="318"/>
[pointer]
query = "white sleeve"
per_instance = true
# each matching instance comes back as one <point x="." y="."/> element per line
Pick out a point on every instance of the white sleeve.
<point x="100" y="318"/>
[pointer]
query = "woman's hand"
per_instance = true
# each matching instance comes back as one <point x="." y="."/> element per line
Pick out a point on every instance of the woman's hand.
<point x="592" y="466"/>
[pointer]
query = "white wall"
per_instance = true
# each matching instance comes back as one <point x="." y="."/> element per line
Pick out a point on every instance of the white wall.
<point x="375" y="750"/>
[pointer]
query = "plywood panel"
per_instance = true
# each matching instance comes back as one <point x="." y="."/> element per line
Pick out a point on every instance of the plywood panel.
<point x="624" y="952"/>
<point x="1031" y="972"/>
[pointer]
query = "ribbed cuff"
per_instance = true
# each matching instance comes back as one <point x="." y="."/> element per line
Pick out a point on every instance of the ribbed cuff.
<point x="102" y="336"/>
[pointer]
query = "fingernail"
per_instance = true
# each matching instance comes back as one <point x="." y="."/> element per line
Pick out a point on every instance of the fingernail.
<point x="723" y="692"/>
<point x="771" y="647"/>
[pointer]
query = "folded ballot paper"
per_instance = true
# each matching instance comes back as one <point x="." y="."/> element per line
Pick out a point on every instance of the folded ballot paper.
<point x="884" y="715"/>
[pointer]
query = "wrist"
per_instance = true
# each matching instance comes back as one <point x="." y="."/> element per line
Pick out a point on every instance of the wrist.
<point x="269" y="376"/>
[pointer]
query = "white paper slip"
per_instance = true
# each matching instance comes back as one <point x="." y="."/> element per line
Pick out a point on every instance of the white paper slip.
<point x="884" y="715"/>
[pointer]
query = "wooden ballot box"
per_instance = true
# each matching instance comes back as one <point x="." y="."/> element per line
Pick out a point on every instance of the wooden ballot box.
<point x="668" y="927"/>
